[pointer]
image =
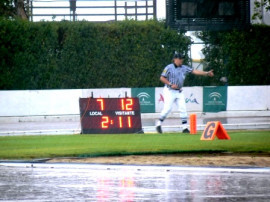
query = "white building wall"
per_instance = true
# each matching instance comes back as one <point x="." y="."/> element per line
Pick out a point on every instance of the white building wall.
<point x="265" y="15"/>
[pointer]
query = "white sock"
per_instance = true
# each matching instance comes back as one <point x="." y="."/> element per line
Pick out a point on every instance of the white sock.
<point x="185" y="126"/>
<point x="158" y="123"/>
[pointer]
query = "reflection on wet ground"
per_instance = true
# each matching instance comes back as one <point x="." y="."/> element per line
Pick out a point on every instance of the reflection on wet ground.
<point x="88" y="182"/>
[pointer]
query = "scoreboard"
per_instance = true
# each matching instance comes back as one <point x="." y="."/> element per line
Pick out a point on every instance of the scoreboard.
<point x="208" y="15"/>
<point x="110" y="115"/>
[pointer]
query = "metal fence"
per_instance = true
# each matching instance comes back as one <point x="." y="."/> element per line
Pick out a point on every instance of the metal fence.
<point x="91" y="10"/>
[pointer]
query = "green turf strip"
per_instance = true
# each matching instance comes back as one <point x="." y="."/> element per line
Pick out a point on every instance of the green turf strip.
<point x="31" y="147"/>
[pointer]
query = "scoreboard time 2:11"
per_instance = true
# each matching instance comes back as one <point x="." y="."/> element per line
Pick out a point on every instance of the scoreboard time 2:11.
<point x="110" y="115"/>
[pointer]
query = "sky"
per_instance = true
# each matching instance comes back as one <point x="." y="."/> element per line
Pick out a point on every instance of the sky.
<point x="161" y="9"/>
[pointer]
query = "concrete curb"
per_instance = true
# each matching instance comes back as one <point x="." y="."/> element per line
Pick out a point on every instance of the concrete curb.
<point x="146" y="129"/>
<point x="76" y="117"/>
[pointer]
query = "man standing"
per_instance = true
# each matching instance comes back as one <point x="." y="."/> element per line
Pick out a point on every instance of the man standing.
<point x="173" y="77"/>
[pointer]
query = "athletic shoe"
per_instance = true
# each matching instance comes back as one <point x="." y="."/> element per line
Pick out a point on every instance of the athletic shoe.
<point x="158" y="128"/>
<point x="185" y="131"/>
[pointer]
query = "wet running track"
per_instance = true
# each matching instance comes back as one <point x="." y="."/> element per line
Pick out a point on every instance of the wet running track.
<point x="93" y="182"/>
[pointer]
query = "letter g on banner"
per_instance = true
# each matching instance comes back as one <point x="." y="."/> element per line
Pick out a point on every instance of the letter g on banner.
<point x="209" y="131"/>
<point x="214" y="128"/>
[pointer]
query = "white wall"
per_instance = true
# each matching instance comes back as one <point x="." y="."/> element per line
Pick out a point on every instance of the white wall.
<point x="265" y="15"/>
<point x="107" y="92"/>
<point x="39" y="102"/>
<point x="50" y="102"/>
<point x="66" y="102"/>
<point x="248" y="98"/>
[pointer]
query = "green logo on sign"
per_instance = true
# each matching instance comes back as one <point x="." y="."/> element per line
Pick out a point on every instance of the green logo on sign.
<point x="214" y="99"/>
<point x="146" y="97"/>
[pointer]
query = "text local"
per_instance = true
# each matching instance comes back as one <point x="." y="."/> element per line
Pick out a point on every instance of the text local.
<point x="117" y="113"/>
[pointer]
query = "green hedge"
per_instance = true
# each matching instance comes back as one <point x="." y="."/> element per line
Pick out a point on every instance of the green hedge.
<point x="68" y="55"/>
<point x="241" y="56"/>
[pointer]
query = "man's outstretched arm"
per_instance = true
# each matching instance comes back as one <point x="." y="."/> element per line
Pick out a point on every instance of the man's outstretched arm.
<point x="203" y="73"/>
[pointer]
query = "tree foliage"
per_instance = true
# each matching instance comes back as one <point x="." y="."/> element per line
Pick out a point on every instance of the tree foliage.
<point x="51" y="55"/>
<point x="67" y="55"/>
<point x="7" y="9"/>
<point x="10" y="9"/>
<point x="241" y="56"/>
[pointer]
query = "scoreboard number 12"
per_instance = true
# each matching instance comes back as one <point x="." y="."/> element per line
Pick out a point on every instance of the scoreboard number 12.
<point x="110" y="115"/>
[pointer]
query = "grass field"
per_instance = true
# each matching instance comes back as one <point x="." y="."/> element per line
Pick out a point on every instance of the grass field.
<point x="31" y="147"/>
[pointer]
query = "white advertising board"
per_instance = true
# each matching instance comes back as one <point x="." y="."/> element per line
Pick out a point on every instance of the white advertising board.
<point x="66" y="102"/>
<point x="248" y="98"/>
<point x="39" y="102"/>
<point x="51" y="102"/>
<point x="193" y="97"/>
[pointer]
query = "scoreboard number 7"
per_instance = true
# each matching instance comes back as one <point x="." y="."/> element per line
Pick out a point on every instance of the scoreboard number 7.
<point x="101" y="104"/>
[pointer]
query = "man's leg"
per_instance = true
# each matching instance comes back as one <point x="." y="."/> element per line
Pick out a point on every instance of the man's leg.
<point x="168" y="102"/>
<point x="183" y="111"/>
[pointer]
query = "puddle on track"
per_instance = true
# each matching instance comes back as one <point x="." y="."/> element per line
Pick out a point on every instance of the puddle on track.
<point x="92" y="182"/>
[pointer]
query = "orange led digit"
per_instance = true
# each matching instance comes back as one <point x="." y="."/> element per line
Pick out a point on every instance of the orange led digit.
<point x="120" y="122"/>
<point x="101" y="104"/>
<point x="104" y="122"/>
<point x="129" y="122"/>
<point x="123" y="104"/>
<point x="129" y="104"/>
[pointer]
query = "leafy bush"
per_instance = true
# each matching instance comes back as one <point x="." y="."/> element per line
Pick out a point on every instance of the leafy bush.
<point x="241" y="56"/>
<point x="67" y="55"/>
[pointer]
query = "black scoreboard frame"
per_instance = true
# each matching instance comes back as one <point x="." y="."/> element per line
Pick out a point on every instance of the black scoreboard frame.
<point x="207" y="15"/>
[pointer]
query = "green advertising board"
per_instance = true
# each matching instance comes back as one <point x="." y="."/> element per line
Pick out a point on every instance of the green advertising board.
<point x="214" y="99"/>
<point x="146" y="97"/>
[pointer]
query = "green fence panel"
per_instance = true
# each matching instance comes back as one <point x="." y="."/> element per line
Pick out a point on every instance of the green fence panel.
<point x="214" y="99"/>
<point x="146" y="97"/>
